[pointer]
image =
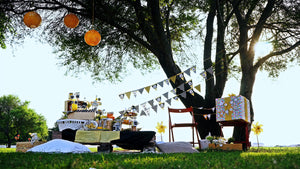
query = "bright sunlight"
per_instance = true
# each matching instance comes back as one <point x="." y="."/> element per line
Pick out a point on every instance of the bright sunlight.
<point x="263" y="48"/>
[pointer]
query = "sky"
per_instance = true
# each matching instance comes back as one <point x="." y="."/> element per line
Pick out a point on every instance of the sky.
<point x="32" y="74"/>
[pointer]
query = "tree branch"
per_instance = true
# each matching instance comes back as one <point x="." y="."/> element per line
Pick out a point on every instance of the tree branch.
<point x="260" y="24"/>
<point x="265" y="58"/>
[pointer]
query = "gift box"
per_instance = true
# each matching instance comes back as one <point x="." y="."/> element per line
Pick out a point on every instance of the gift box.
<point x="234" y="108"/>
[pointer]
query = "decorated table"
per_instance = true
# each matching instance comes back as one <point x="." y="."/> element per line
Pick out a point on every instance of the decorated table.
<point x="133" y="140"/>
<point x="83" y="123"/>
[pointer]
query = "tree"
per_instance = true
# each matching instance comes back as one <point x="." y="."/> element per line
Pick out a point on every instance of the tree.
<point x="152" y="32"/>
<point x="16" y="119"/>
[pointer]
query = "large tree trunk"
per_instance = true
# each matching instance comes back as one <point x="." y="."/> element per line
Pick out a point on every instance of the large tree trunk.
<point x="247" y="83"/>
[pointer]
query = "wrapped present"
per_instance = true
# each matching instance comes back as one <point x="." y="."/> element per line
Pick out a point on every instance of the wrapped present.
<point x="234" y="108"/>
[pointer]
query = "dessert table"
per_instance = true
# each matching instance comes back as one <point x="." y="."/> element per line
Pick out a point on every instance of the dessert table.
<point x="133" y="140"/>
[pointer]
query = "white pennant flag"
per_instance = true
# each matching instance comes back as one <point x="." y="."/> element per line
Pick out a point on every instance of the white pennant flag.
<point x="154" y="86"/>
<point x="193" y="69"/>
<point x="190" y="83"/>
<point x="121" y="96"/>
<point x="167" y="81"/>
<point x="192" y="92"/>
<point x="134" y="93"/>
<point x="203" y="74"/>
<point x="158" y="99"/>
<point x="162" y="105"/>
<point x="181" y="76"/>
<point x="173" y="91"/>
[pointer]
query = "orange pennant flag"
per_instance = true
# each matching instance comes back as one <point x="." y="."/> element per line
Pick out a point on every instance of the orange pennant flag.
<point x="147" y="88"/>
<point x="198" y="87"/>
<point x="173" y="78"/>
<point x="128" y="94"/>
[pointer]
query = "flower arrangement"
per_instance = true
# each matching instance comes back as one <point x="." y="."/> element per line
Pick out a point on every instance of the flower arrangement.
<point x="160" y="128"/>
<point x="216" y="140"/>
<point x="257" y="129"/>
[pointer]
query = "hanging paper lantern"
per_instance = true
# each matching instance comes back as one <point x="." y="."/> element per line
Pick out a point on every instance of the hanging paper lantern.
<point x="32" y="19"/>
<point x="92" y="37"/>
<point x="71" y="20"/>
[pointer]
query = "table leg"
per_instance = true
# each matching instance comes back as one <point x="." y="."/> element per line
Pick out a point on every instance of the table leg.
<point x="104" y="148"/>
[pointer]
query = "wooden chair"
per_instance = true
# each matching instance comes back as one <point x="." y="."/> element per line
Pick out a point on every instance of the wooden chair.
<point x="192" y="124"/>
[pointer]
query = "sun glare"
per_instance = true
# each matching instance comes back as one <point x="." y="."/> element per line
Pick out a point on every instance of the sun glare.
<point x="263" y="48"/>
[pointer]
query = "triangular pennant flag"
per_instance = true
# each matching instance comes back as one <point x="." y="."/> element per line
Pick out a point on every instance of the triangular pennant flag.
<point x="141" y="90"/>
<point x="167" y="81"/>
<point x="144" y="104"/>
<point x="193" y="69"/>
<point x="158" y="99"/>
<point x="205" y="116"/>
<point x="154" y="108"/>
<point x="154" y="86"/>
<point x="198" y="87"/>
<point x="192" y="92"/>
<point x="181" y="76"/>
<point x="122" y="112"/>
<point x="203" y="74"/>
<point x="181" y="87"/>
<point x="190" y="83"/>
<point x="134" y="93"/>
<point x="188" y="72"/>
<point x="183" y="94"/>
<point x="121" y="96"/>
<point x="151" y="102"/>
<point x="169" y="101"/>
<point x="147" y="88"/>
<point x="208" y="116"/>
<point x="175" y="97"/>
<point x="128" y="94"/>
<point x="173" y="91"/>
<point x="148" y="111"/>
<point x="143" y="113"/>
<point x="173" y="79"/>
<point x="161" y="83"/>
<point x="166" y="95"/>
<point x="137" y="108"/>
<point x="162" y="105"/>
<point x="210" y="70"/>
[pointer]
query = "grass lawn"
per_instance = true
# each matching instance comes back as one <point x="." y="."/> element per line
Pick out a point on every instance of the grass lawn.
<point x="264" y="158"/>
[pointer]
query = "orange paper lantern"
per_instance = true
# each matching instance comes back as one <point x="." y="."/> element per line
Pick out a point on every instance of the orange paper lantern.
<point x="92" y="37"/>
<point x="32" y="19"/>
<point x="71" y="20"/>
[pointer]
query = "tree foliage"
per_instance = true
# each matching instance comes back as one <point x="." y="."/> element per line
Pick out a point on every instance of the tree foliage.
<point x="16" y="118"/>
<point x="130" y="34"/>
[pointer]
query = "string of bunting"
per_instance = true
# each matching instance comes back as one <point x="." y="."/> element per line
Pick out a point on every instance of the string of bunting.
<point x="166" y="81"/>
<point x="146" y="110"/>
